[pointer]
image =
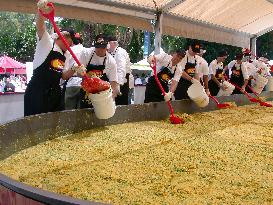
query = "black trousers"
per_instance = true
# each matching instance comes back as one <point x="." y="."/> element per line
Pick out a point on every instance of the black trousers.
<point x="124" y="89"/>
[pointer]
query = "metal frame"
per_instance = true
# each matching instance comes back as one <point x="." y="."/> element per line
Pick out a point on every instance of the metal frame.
<point x="210" y="25"/>
<point x="171" y="4"/>
<point x="143" y="12"/>
<point x="111" y="8"/>
<point x="264" y="31"/>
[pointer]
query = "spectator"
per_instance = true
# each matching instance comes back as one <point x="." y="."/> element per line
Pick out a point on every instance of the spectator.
<point x="9" y="87"/>
<point x="2" y="85"/>
<point x="138" y="80"/>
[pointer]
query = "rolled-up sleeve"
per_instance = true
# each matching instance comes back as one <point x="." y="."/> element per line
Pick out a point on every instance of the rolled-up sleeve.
<point x="204" y="67"/>
<point x="245" y="72"/>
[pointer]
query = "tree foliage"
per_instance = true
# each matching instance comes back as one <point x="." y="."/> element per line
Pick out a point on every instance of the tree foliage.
<point x="17" y="35"/>
<point x="18" y="38"/>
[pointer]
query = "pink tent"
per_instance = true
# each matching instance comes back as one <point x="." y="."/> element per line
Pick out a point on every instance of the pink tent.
<point x="12" y="66"/>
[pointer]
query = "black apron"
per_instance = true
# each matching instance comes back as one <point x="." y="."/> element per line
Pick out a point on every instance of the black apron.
<point x="124" y="89"/>
<point x="183" y="84"/>
<point x="153" y="92"/>
<point x="43" y="93"/>
<point x="213" y="87"/>
<point x="92" y="71"/>
<point x="237" y="78"/>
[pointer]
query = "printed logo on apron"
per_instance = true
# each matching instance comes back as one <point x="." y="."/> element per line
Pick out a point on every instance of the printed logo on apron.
<point x="191" y="71"/>
<point x="236" y="71"/>
<point x="57" y="65"/>
<point x="165" y="77"/>
<point x="190" y="68"/>
<point x="95" y="73"/>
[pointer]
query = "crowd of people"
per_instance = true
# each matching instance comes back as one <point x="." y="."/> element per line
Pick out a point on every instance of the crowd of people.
<point x="56" y="81"/>
<point x="12" y="83"/>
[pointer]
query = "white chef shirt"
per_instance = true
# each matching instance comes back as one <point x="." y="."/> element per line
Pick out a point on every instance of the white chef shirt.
<point x="251" y="68"/>
<point x="203" y="67"/>
<point x="162" y="60"/>
<point x="243" y="68"/>
<point x="214" y="66"/>
<point x="43" y="48"/>
<point x="69" y="63"/>
<point x="110" y="63"/>
<point x="261" y="66"/>
<point x="181" y="65"/>
<point x="123" y="64"/>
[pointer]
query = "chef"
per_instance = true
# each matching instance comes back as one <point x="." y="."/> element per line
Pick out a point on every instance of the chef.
<point x="216" y="68"/>
<point x="43" y="93"/>
<point x="166" y="65"/>
<point x="73" y="85"/>
<point x="238" y="73"/>
<point x="123" y="69"/>
<point x="249" y="63"/>
<point x="187" y="72"/>
<point x="99" y="63"/>
<point x="203" y="71"/>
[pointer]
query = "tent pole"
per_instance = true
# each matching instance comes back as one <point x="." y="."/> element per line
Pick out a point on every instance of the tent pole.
<point x="158" y="29"/>
<point x="253" y="45"/>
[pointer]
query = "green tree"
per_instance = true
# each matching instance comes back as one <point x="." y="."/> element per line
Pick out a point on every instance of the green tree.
<point x="135" y="46"/>
<point x="265" y="45"/>
<point x="17" y="35"/>
<point x="18" y="38"/>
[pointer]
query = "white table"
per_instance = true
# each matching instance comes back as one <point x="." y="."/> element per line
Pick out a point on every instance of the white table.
<point x="11" y="106"/>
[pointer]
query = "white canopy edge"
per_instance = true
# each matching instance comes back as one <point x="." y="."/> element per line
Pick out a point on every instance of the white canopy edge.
<point x="138" y="18"/>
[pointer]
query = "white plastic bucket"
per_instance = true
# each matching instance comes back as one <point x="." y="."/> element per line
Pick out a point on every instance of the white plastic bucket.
<point x="103" y="103"/>
<point x="269" y="86"/>
<point x="228" y="91"/>
<point x="198" y="95"/>
<point x="260" y="83"/>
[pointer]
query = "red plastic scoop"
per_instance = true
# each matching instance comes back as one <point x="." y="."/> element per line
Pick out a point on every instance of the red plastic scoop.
<point x="262" y="103"/>
<point x="90" y="85"/>
<point x="174" y="119"/>
<point x="94" y="85"/>
<point x="219" y="105"/>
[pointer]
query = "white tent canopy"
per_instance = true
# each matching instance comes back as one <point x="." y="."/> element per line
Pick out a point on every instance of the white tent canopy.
<point x="232" y="22"/>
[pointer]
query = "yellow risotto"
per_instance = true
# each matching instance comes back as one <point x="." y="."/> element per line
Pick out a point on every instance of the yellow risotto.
<point x="219" y="157"/>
